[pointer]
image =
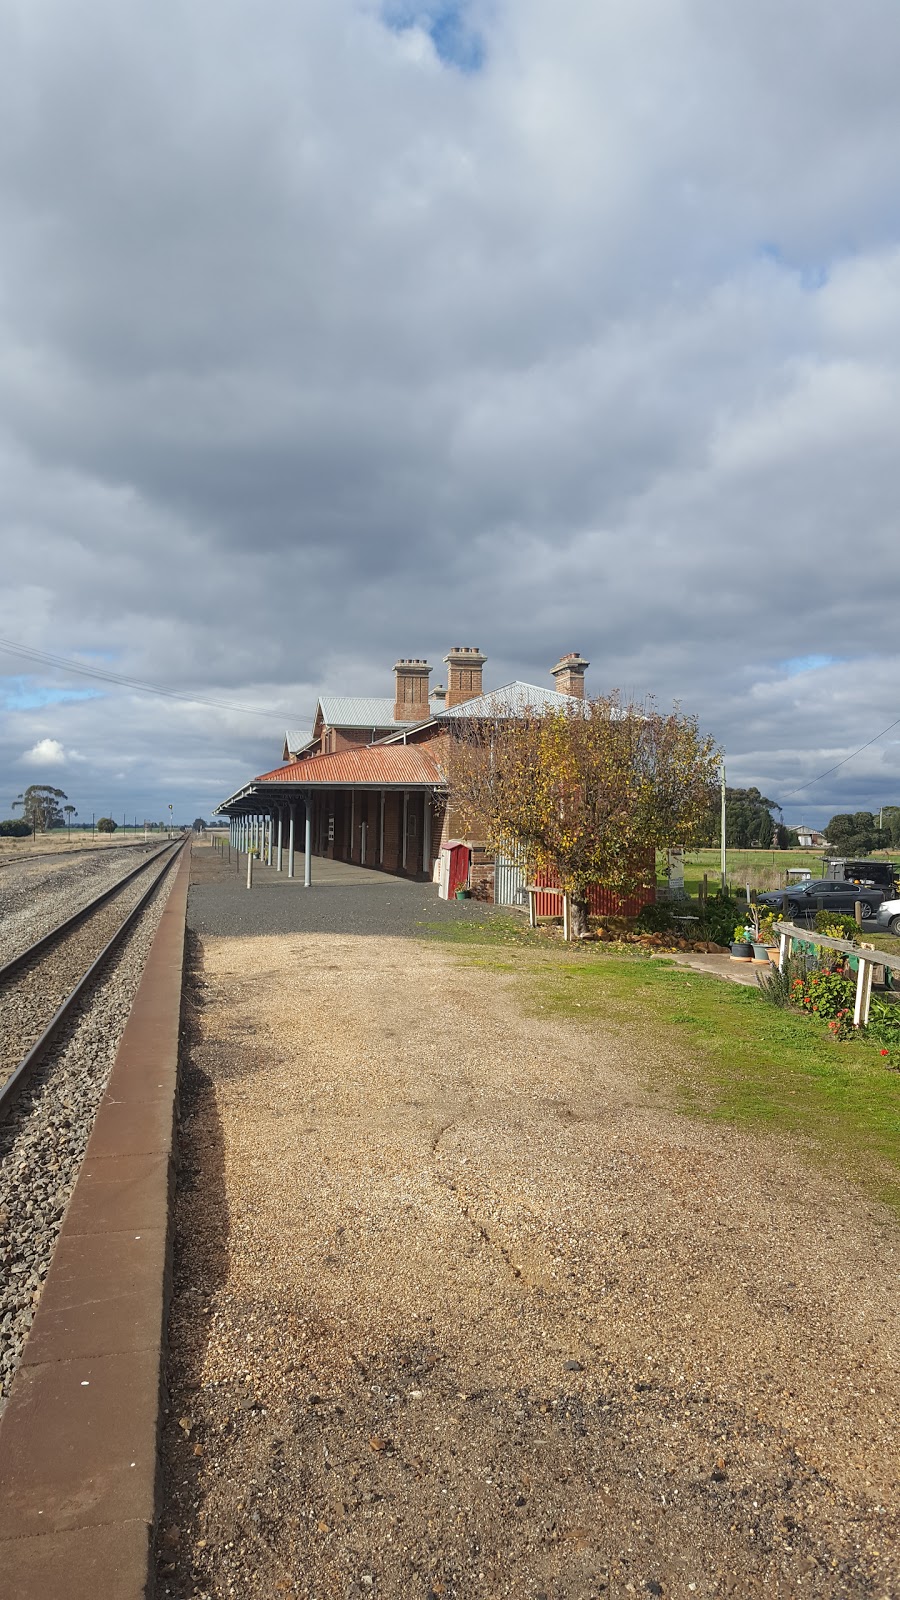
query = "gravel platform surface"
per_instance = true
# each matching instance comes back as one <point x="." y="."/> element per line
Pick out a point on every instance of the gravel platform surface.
<point x="461" y="1311"/>
<point x="44" y="1136"/>
<point x="36" y="896"/>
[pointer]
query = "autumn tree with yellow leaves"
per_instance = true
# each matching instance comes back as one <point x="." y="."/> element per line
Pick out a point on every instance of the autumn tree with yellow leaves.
<point x="589" y="791"/>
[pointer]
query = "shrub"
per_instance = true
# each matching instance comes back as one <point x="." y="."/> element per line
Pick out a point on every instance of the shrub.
<point x="824" y="992"/>
<point x="778" y="986"/>
<point x="841" y="1026"/>
<point x="106" y="825"/>
<point x="655" y="918"/>
<point x="718" y="918"/>
<point x="15" y="828"/>
<point x="884" y="1022"/>
<point x="836" y="925"/>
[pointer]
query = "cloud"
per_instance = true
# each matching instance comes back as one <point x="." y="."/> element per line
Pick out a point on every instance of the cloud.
<point x="46" y="753"/>
<point x="387" y="325"/>
<point x="50" y="753"/>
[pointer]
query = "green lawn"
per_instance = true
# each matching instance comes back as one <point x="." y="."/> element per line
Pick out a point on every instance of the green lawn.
<point x="719" y="1049"/>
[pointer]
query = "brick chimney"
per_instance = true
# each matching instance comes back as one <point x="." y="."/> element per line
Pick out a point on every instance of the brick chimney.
<point x="569" y="674"/>
<point x="465" y="664"/>
<point x="439" y="693"/>
<point x="411" y="690"/>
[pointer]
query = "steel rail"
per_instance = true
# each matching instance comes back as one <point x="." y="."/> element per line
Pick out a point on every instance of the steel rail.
<point x="68" y="851"/>
<point x="48" y="939"/>
<point x="16" y="1078"/>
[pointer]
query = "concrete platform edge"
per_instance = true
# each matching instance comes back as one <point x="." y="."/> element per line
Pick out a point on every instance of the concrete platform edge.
<point x="78" y="1438"/>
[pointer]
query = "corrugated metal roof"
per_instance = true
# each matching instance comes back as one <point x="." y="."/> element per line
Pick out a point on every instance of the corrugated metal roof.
<point x="512" y="701"/>
<point x="382" y="766"/>
<point x="357" y="711"/>
<point x="296" y="738"/>
<point x="363" y="711"/>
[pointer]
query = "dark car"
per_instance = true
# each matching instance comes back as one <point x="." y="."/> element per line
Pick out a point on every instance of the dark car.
<point x="829" y="894"/>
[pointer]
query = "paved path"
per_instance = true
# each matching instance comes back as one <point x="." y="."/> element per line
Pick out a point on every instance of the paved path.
<point x="341" y="898"/>
<point x="716" y="966"/>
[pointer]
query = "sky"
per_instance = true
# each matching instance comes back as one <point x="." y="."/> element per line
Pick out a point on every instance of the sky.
<point x="336" y="331"/>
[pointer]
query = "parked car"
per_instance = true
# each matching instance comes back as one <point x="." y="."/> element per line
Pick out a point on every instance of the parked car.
<point x="804" y="898"/>
<point x="887" y="917"/>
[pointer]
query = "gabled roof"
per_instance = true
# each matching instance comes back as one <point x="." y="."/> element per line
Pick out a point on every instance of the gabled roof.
<point x="512" y="701"/>
<point x="383" y="767"/>
<point x="296" y="738"/>
<point x="362" y="711"/>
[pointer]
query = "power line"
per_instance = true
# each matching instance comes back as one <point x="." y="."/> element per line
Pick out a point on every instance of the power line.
<point x="105" y="676"/>
<point x="874" y="740"/>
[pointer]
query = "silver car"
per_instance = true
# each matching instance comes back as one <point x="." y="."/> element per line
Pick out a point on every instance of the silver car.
<point x="887" y="917"/>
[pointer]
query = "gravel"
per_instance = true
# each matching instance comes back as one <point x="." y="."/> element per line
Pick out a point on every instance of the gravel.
<point x="36" y="896"/>
<point x="464" y="1310"/>
<point x="32" y="996"/>
<point x="45" y="1133"/>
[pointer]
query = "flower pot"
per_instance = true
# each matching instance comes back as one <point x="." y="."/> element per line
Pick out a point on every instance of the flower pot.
<point x="773" y="951"/>
<point x="760" y="954"/>
<point x="742" y="952"/>
<point x="463" y="894"/>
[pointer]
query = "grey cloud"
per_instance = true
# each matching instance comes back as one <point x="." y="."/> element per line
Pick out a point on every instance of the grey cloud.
<point x="314" y="351"/>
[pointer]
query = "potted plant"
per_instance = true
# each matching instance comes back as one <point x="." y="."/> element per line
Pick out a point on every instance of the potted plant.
<point x="761" y="931"/>
<point x="741" y="947"/>
<point x="463" y="894"/>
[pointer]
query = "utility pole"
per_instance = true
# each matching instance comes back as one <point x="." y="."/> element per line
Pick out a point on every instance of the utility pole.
<point x="722" y="781"/>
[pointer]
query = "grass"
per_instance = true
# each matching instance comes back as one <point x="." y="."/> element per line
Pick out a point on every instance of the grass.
<point x="721" y="1049"/>
<point x="762" y="869"/>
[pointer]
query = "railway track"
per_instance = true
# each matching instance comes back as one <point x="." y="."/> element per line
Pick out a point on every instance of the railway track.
<point x="37" y="991"/>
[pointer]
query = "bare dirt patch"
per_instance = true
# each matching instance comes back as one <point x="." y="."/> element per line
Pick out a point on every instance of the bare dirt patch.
<point x="463" y="1309"/>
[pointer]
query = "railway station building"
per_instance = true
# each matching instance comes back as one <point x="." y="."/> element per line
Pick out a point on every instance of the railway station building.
<point x="369" y="784"/>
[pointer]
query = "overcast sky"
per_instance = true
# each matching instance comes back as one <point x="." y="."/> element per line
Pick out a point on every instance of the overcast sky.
<point x="334" y="331"/>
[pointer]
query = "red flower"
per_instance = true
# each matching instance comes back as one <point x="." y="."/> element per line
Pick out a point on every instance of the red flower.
<point x="884" y="1052"/>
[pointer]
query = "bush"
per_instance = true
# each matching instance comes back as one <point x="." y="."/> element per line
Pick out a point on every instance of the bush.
<point x="655" y="918"/>
<point x="15" y="828"/>
<point x="884" y="1022"/>
<point x="824" y="992"/>
<point x="718" y="919"/>
<point x="106" y="825"/>
<point x="778" y="987"/>
<point x="836" y="925"/>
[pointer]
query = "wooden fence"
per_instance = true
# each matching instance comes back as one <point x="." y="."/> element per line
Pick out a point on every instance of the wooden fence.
<point x="790" y="934"/>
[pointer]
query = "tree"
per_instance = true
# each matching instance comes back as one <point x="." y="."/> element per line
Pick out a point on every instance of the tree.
<point x="40" y="806"/>
<point x="852" y="834"/>
<point x="106" y="825"/>
<point x="590" y="791"/>
<point x="786" y="838"/>
<point x="749" y="820"/>
<point x="765" y="831"/>
<point x="891" y="817"/>
<point x="199" y="824"/>
<point x="70" y="813"/>
<point x="15" y="828"/>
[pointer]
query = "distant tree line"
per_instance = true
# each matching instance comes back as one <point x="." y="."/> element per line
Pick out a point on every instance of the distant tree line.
<point x="858" y="833"/>
<point x="752" y="821"/>
<point x="749" y="823"/>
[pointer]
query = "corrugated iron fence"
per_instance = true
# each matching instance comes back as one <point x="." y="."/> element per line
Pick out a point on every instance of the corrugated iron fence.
<point x="602" y="902"/>
<point x="509" y="878"/>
